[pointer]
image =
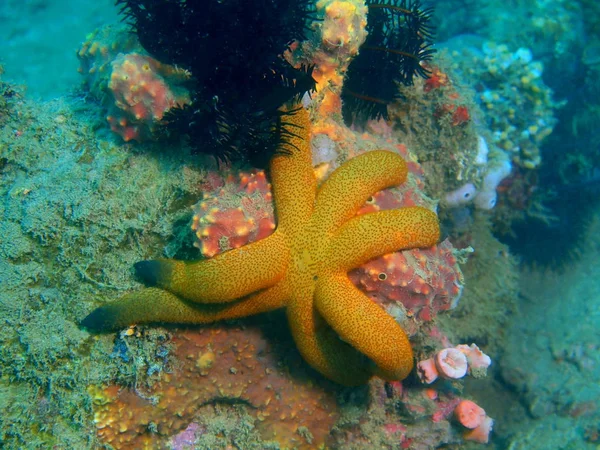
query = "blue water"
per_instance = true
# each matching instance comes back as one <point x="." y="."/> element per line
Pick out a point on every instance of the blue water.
<point x="79" y="206"/>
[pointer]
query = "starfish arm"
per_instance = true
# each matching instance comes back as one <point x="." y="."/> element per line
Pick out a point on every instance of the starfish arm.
<point x="224" y="278"/>
<point x="365" y="325"/>
<point x="349" y="187"/>
<point x="292" y="176"/>
<point x="154" y="305"/>
<point x="371" y="235"/>
<point x="322" y="348"/>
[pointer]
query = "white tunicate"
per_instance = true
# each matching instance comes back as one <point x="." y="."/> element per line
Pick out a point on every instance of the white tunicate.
<point x="482" y="151"/>
<point x="495" y="175"/>
<point x="461" y="196"/>
<point x="486" y="200"/>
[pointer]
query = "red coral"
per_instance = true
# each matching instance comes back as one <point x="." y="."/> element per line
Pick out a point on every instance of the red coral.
<point x="436" y="80"/>
<point x="460" y="116"/>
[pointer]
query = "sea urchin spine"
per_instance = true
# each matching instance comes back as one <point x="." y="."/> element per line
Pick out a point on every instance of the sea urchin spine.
<point x="399" y="41"/>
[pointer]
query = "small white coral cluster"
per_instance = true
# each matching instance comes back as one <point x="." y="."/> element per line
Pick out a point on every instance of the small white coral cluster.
<point x="454" y="363"/>
<point x="494" y="172"/>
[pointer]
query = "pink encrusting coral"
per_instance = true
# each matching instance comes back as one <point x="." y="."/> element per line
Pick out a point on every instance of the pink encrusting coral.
<point x="136" y="89"/>
<point x="478" y="361"/>
<point x="144" y="90"/>
<point x="238" y="211"/>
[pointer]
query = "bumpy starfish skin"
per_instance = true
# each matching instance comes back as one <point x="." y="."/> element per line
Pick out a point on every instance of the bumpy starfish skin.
<point x="302" y="266"/>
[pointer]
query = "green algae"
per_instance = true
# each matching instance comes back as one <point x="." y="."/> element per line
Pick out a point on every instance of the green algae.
<point x="76" y="212"/>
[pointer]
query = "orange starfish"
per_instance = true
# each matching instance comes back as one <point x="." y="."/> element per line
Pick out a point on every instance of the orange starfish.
<point x="302" y="266"/>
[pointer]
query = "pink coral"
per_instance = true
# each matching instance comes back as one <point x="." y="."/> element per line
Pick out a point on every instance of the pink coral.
<point x="427" y="371"/>
<point x="481" y="433"/>
<point x="469" y="414"/>
<point x="235" y="214"/>
<point x="451" y="363"/>
<point x="478" y="361"/>
<point x="144" y="90"/>
<point x="136" y="89"/>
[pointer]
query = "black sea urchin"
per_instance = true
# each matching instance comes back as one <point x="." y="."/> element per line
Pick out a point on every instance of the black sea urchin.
<point x="234" y="51"/>
<point x="399" y="40"/>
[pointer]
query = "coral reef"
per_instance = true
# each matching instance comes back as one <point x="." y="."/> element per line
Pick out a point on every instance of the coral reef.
<point x="79" y="210"/>
<point x="332" y="145"/>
